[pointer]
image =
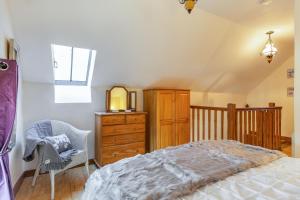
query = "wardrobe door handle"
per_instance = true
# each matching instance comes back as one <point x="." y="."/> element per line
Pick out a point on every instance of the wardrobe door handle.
<point x="114" y="154"/>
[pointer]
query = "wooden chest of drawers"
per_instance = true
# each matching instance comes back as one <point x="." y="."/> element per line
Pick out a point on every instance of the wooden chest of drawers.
<point x="118" y="136"/>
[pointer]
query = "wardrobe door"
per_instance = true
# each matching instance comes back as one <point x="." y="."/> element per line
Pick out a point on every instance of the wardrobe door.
<point x="182" y="117"/>
<point x="166" y="119"/>
<point x="182" y="133"/>
<point x="166" y="105"/>
<point x="182" y="105"/>
<point x="166" y="135"/>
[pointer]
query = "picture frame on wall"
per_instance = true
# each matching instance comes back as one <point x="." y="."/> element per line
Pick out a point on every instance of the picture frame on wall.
<point x="290" y="73"/>
<point x="290" y="91"/>
<point x="13" y="49"/>
<point x="3" y="47"/>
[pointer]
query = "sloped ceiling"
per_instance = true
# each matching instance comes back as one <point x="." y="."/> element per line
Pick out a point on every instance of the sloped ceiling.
<point x="155" y="43"/>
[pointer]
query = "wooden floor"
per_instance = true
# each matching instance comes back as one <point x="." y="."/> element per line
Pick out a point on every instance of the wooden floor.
<point x="69" y="186"/>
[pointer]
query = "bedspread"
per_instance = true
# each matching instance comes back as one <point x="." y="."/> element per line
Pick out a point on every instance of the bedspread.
<point x="176" y="171"/>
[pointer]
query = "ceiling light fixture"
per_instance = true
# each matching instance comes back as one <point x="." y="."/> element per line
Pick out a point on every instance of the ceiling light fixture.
<point x="189" y="4"/>
<point x="270" y="50"/>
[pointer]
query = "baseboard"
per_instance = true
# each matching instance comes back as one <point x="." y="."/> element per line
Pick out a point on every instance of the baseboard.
<point x="286" y="140"/>
<point x="18" y="184"/>
<point x="30" y="173"/>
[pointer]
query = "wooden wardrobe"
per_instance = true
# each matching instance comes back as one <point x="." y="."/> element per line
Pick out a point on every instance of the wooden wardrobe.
<point x="168" y="120"/>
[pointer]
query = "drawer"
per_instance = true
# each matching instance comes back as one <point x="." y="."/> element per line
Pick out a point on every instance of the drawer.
<point x="135" y="119"/>
<point x="123" y="139"/>
<point x="123" y="129"/>
<point x="115" y="153"/>
<point x="113" y="119"/>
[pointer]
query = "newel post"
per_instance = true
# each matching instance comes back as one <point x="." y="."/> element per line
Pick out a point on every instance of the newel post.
<point x="271" y="105"/>
<point x="231" y="122"/>
<point x="272" y="124"/>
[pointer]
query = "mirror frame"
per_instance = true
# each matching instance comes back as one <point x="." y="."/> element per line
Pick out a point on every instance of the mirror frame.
<point x="108" y="99"/>
<point x="131" y="106"/>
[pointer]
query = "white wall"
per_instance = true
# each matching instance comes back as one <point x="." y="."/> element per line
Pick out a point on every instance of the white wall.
<point x="274" y="89"/>
<point x="15" y="156"/>
<point x="296" y="136"/>
<point x="217" y="99"/>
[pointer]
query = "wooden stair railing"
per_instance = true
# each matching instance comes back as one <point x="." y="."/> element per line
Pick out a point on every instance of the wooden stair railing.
<point x="255" y="126"/>
<point x="202" y="123"/>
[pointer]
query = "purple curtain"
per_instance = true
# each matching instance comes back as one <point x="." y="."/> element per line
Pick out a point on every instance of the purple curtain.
<point x="8" y="98"/>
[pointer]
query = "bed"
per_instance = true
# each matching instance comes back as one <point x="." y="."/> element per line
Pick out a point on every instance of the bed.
<point x="200" y="170"/>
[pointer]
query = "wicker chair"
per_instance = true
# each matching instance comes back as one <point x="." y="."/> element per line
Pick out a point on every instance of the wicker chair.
<point x="78" y="140"/>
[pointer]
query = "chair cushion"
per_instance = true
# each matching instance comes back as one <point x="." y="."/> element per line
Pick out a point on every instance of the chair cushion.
<point x="60" y="142"/>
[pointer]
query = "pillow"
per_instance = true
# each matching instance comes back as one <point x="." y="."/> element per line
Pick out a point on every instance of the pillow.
<point x="60" y="142"/>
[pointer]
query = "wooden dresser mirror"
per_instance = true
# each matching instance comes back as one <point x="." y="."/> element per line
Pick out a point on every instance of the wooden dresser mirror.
<point x="119" y="99"/>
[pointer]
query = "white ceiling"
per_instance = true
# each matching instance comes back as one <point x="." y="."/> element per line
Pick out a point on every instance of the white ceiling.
<point x="156" y="43"/>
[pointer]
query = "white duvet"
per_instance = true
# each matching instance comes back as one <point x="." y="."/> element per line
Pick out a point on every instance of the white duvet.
<point x="277" y="180"/>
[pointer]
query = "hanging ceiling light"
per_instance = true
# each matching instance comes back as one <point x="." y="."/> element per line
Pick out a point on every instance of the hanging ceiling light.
<point x="270" y="50"/>
<point x="189" y="4"/>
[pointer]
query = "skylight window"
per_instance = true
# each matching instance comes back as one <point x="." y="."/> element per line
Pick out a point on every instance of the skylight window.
<point x="72" y="66"/>
<point x="73" y="70"/>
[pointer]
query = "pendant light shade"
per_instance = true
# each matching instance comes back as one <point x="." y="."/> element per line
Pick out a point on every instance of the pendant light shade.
<point x="189" y="4"/>
<point x="270" y="50"/>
